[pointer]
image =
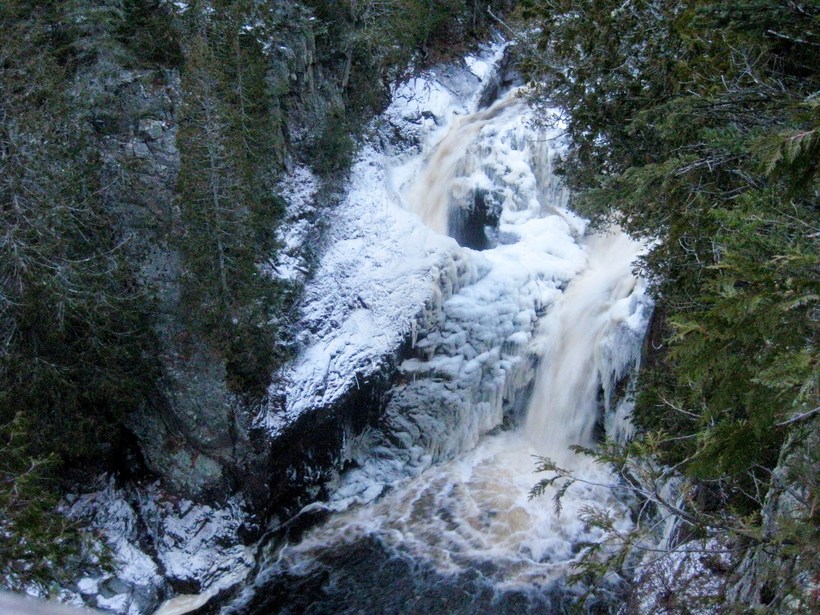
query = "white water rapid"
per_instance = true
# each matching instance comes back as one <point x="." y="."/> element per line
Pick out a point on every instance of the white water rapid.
<point x="474" y="512"/>
<point x="521" y="349"/>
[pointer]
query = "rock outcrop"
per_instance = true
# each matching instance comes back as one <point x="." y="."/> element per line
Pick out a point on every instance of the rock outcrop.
<point x="195" y="433"/>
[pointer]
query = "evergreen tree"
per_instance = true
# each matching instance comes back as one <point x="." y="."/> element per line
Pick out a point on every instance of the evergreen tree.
<point x="75" y="344"/>
<point x="225" y="190"/>
<point x="696" y="123"/>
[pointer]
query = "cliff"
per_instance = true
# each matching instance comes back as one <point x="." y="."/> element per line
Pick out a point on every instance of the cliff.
<point x="206" y="143"/>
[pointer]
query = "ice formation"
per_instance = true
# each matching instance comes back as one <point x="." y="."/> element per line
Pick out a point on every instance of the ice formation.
<point x="536" y="309"/>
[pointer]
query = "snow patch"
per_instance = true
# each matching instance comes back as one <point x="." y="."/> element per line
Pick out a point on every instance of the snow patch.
<point x="298" y="230"/>
<point x="690" y="578"/>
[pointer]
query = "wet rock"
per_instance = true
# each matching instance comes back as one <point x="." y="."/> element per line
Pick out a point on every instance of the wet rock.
<point x="759" y="578"/>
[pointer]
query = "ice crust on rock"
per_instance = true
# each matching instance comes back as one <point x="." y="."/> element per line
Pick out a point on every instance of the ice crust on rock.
<point x="137" y="582"/>
<point x="383" y="274"/>
<point x="298" y="229"/>
<point x="691" y="576"/>
<point x="423" y="105"/>
<point x="368" y="290"/>
<point x="198" y="544"/>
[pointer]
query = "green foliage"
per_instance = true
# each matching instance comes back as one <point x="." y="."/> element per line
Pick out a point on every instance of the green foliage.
<point x="695" y="124"/>
<point x="88" y="29"/>
<point x="74" y="337"/>
<point x="35" y="544"/>
<point x="76" y="350"/>
<point x="392" y="28"/>
<point x="117" y="33"/>
<point x="374" y="41"/>
<point x="334" y="149"/>
<point x="147" y="29"/>
<point x="96" y="41"/>
<point x="225" y="190"/>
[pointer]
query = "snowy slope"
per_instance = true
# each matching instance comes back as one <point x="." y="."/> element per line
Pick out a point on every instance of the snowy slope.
<point x="383" y="273"/>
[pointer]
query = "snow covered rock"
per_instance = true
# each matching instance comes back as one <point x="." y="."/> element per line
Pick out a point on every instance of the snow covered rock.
<point x="690" y="578"/>
<point x="404" y="333"/>
<point x="158" y="545"/>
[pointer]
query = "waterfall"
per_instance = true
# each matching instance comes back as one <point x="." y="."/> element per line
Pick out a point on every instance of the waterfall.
<point x="564" y="404"/>
<point x="431" y="193"/>
<point x="434" y="514"/>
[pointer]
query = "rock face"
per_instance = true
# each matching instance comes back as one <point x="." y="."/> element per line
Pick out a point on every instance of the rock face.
<point x="184" y="431"/>
<point x="382" y="318"/>
<point x="194" y="432"/>
<point x="161" y="545"/>
<point x="218" y="456"/>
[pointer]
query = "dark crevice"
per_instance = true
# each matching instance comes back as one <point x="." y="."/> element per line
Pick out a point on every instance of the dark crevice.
<point x="474" y="227"/>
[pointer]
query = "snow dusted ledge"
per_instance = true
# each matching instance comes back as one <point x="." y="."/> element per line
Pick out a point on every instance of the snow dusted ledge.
<point x="381" y="269"/>
<point x="159" y="545"/>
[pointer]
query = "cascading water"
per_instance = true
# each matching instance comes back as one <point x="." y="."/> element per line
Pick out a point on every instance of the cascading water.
<point x="433" y="190"/>
<point x="454" y="530"/>
<point x="564" y="405"/>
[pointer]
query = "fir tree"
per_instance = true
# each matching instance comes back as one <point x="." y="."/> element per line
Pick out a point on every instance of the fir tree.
<point x="226" y="194"/>
<point x="76" y="348"/>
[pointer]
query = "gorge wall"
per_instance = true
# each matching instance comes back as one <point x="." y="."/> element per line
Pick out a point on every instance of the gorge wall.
<point x="283" y="286"/>
<point x="318" y="78"/>
<point x="198" y="468"/>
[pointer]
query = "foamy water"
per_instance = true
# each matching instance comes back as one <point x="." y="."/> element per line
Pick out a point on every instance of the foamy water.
<point x="431" y="192"/>
<point x="477" y="508"/>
